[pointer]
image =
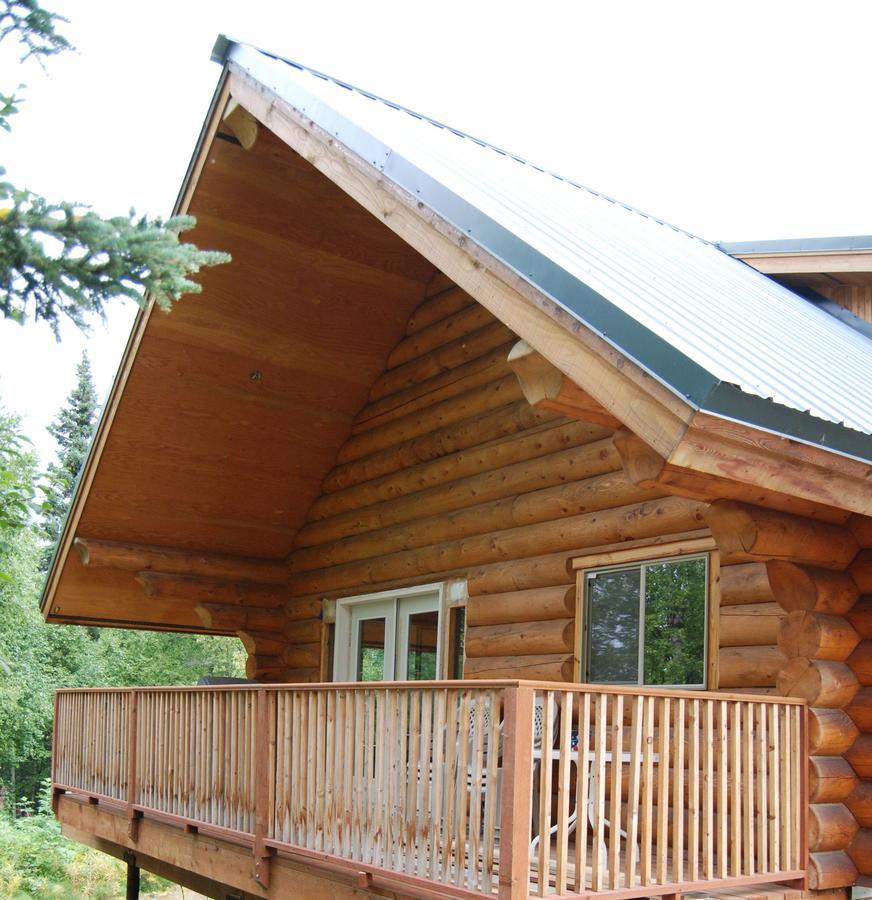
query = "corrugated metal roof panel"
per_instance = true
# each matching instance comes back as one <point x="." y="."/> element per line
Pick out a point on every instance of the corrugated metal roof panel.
<point x="710" y="327"/>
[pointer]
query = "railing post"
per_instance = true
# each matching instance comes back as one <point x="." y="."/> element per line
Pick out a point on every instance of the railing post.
<point x="55" y="793"/>
<point x="262" y="853"/>
<point x="133" y="815"/>
<point x="516" y="793"/>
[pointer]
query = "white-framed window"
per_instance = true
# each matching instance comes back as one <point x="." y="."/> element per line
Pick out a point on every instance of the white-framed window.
<point x="646" y="621"/>
<point x="404" y="635"/>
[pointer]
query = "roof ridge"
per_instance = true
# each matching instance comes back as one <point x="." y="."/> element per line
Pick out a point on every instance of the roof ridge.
<point x="223" y="43"/>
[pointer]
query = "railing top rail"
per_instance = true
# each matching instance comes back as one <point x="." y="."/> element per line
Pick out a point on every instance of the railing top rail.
<point x="493" y="684"/>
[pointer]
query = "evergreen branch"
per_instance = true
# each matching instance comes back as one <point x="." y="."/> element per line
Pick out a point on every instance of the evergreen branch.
<point x="63" y="259"/>
<point x="34" y="27"/>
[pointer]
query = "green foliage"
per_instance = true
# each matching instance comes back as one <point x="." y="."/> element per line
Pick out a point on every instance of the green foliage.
<point x="37" y="861"/>
<point x="17" y="479"/>
<point x="72" y="429"/>
<point x="60" y="258"/>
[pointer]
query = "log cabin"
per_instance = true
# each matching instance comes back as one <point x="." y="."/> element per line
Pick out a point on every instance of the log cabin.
<point x="546" y="526"/>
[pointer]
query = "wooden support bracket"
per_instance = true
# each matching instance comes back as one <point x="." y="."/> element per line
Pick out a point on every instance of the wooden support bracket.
<point x="242" y="123"/>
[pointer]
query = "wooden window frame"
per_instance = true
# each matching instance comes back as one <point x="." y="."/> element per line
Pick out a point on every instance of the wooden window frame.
<point x="616" y="556"/>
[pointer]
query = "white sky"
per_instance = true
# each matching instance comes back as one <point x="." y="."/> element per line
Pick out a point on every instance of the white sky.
<point x="739" y="120"/>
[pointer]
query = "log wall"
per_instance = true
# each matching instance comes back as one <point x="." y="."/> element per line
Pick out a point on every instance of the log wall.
<point x="820" y="656"/>
<point x="450" y="472"/>
<point x="854" y="297"/>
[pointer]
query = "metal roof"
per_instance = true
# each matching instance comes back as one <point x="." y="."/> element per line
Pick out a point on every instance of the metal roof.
<point x="799" y="245"/>
<point x="728" y="339"/>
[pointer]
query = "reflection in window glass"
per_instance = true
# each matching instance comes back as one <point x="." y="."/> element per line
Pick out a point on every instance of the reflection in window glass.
<point x="675" y="622"/>
<point x="371" y="656"/>
<point x="423" y="638"/>
<point x="670" y="600"/>
<point x="613" y="627"/>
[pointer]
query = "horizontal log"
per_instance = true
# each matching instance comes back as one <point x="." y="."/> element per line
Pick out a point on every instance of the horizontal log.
<point x="860" y="851"/>
<point x="535" y="605"/>
<point x="745" y="583"/>
<point x="193" y="589"/>
<point x="860" y="617"/>
<point x="860" y="709"/>
<point x="830" y="731"/>
<point x="860" y="662"/>
<point x="449" y="356"/>
<point x="816" y="636"/>
<point x="860" y="803"/>
<point x="861" y="571"/>
<point x="749" y="667"/>
<point x="748" y="533"/>
<point x="549" y="667"/>
<point x="479" y="400"/>
<point x="520" y="574"/>
<point x="235" y="618"/>
<point x="861" y="526"/>
<point x="302" y="656"/>
<point x="829" y="871"/>
<point x="559" y="467"/>
<point x="831" y="779"/>
<point x="810" y="588"/>
<point x="509" y="420"/>
<point x="520" y="639"/>
<point x="301" y="676"/>
<point x="490" y="367"/>
<point x="653" y="517"/>
<point x="138" y="557"/>
<point x="431" y="337"/>
<point x="263" y="643"/>
<point x="859" y="755"/>
<point x="264" y="668"/>
<point x="303" y="631"/>
<point x="754" y="624"/>
<point x="820" y="682"/>
<point x="444" y="303"/>
<point x="602" y="492"/>
<point x="831" y="826"/>
<point x="303" y="608"/>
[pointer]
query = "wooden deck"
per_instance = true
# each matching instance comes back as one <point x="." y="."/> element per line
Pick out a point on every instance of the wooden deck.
<point x="465" y="789"/>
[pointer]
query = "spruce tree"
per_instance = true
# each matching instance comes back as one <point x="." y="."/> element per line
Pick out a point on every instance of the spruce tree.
<point x="72" y="429"/>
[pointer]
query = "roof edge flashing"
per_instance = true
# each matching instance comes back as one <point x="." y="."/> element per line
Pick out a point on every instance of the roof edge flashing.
<point x="221" y="49"/>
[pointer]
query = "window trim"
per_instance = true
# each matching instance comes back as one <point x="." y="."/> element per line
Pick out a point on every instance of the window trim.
<point x="617" y="558"/>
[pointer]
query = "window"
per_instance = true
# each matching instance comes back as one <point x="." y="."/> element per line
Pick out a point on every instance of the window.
<point x="409" y="635"/>
<point x="645" y="621"/>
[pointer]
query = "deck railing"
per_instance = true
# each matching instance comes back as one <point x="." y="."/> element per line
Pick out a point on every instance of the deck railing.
<point x="510" y="788"/>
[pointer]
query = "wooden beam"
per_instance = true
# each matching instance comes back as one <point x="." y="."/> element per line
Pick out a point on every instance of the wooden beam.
<point x="242" y="123"/>
<point x="141" y="557"/>
<point x="197" y="589"/>
<point x="545" y="386"/>
<point x="809" y="262"/>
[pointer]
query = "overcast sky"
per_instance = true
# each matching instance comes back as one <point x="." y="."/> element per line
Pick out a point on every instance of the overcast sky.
<point x="739" y="120"/>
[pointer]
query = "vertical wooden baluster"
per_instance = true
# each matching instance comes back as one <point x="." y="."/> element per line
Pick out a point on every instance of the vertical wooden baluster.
<point x="665" y="742"/>
<point x="799" y="777"/>
<point x="374" y="749"/>
<point x="132" y="743"/>
<point x="736" y="827"/>
<point x="346" y="802"/>
<point x="424" y="808"/>
<point x="328" y="819"/>
<point x="545" y="775"/>
<point x="441" y="737"/>
<point x="599" y="780"/>
<point x="762" y="789"/>
<point x="379" y="811"/>
<point x="361" y="776"/>
<point x="463" y="788"/>
<point x="646" y="829"/>
<point x="259" y="762"/>
<point x="310" y="812"/>
<point x="493" y="788"/>
<point x="452" y="733"/>
<point x="723" y="788"/>
<point x="476" y="789"/>
<point x="617" y="753"/>
<point x="392" y="739"/>
<point x="693" y="765"/>
<point x="678" y="804"/>
<point x="774" y="788"/>
<point x="583" y="800"/>
<point x="708" y="787"/>
<point x="563" y="778"/>
<point x="748" y="798"/>
<point x="401" y="772"/>
<point x="636" y="750"/>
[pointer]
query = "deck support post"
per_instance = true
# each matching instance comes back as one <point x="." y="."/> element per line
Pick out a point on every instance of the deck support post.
<point x="132" y="876"/>
<point x="517" y="793"/>
<point x="262" y="853"/>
